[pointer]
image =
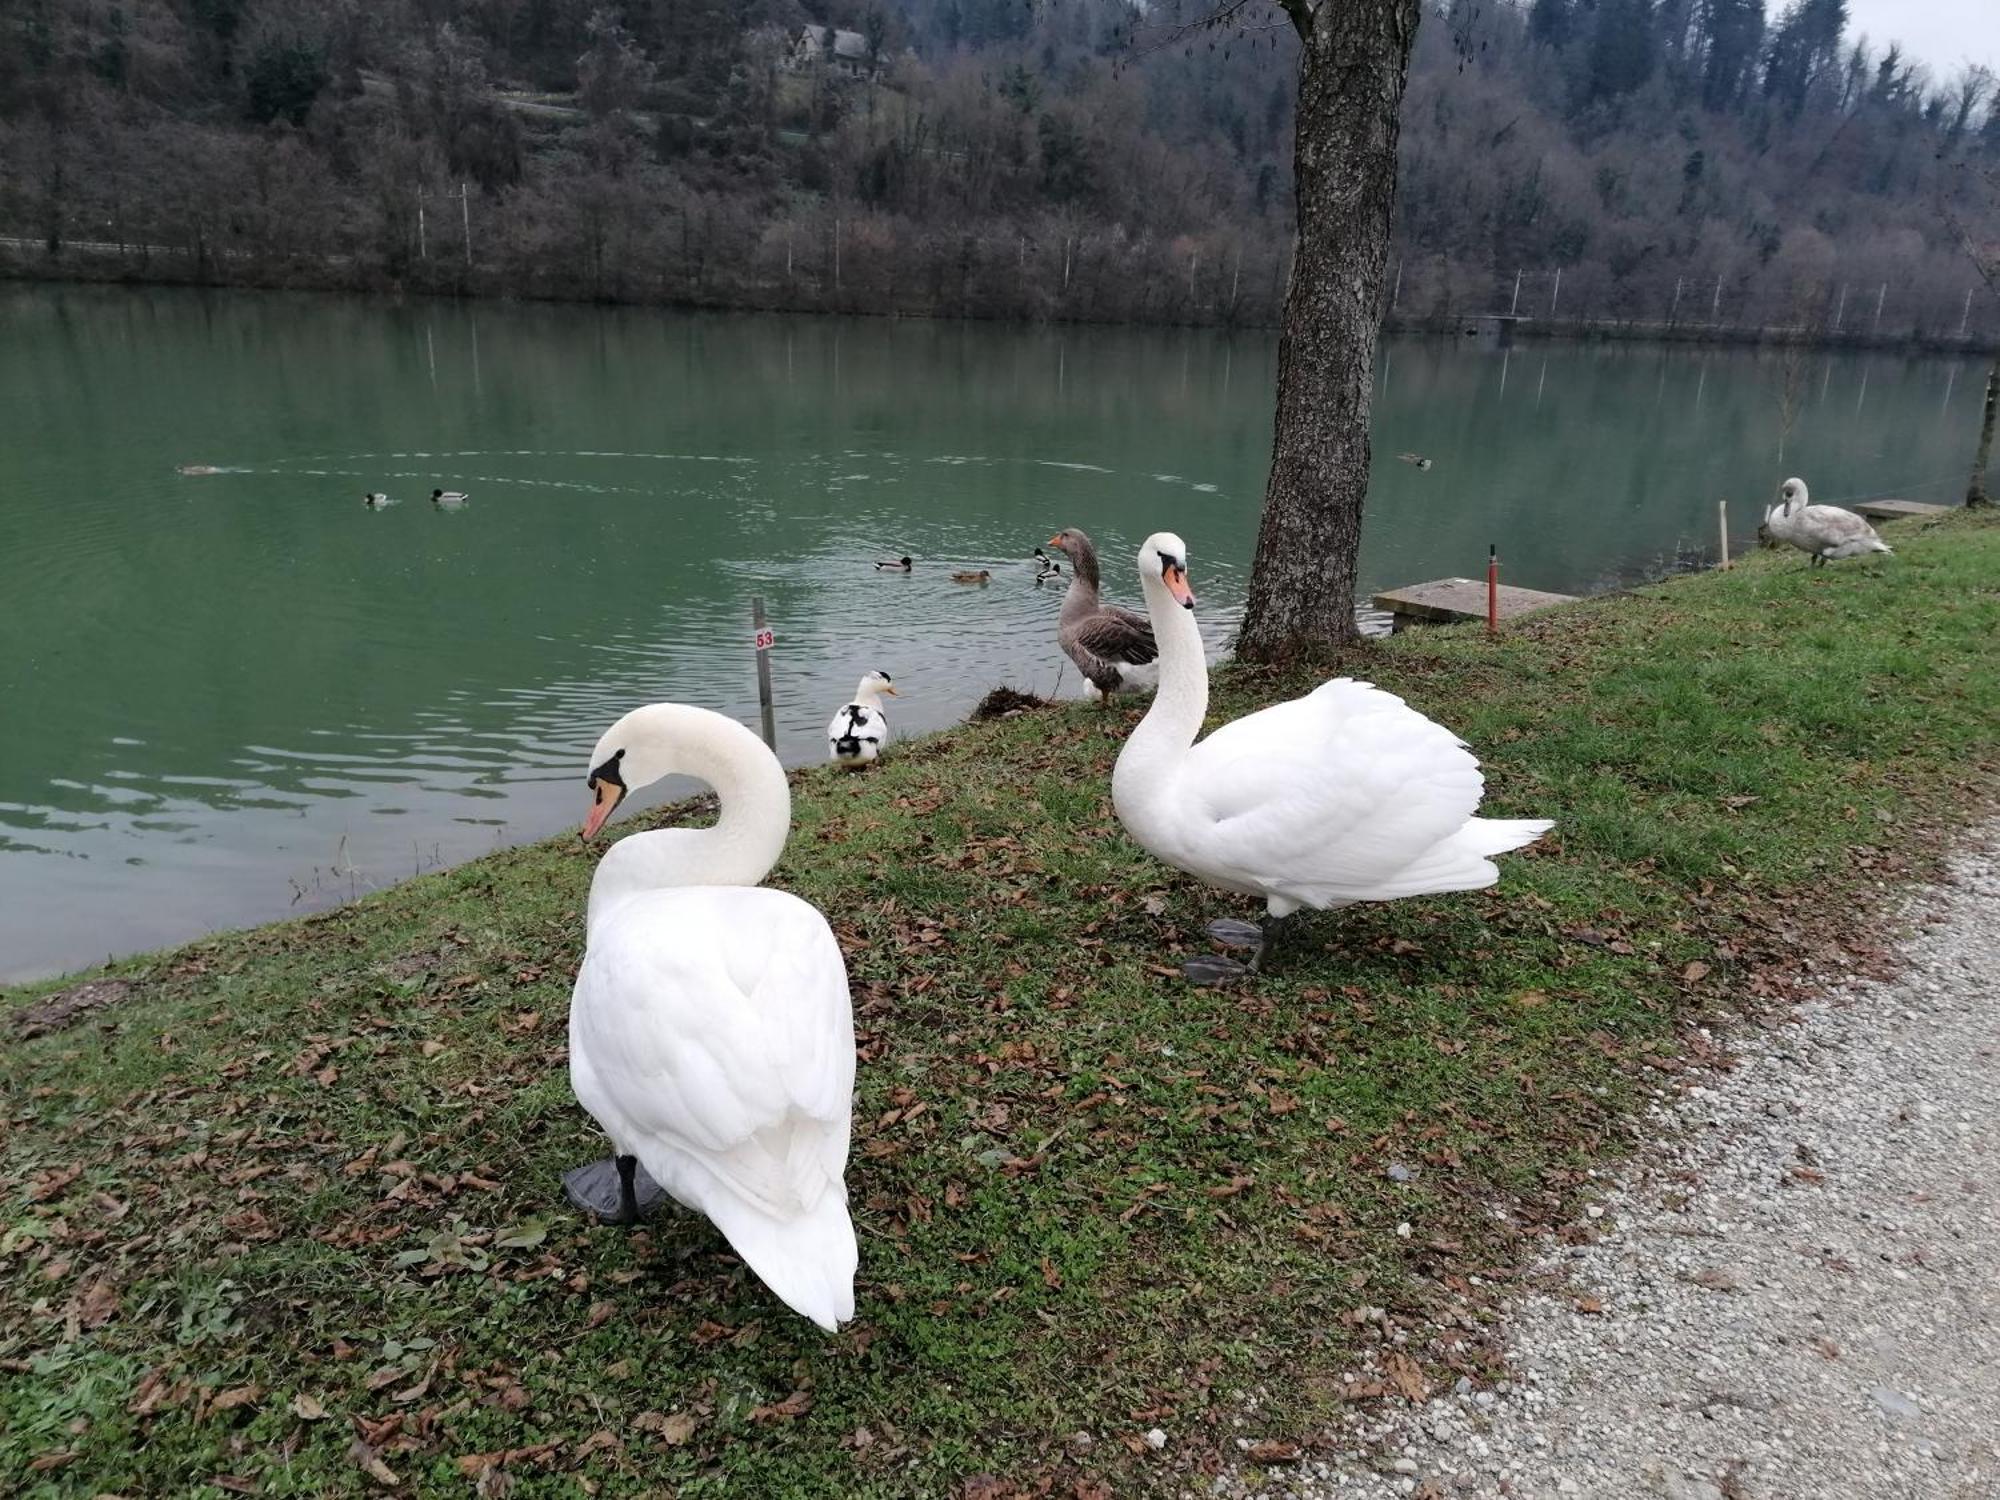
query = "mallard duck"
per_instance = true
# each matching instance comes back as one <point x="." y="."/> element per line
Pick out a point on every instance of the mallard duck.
<point x="377" y="500"/>
<point x="449" y="497"/>
<point x="900" y="565"/>
<point x="860" y="729"/>
<point x="969" y="577"/>
<point x="1823" y="532"/>
<point x="711" y="1032"/>
<point x="1113" y="647"/>
<point x="1415" y="459"/>
<point x="1046" y="566"/>
<point x="1347" y="794"/>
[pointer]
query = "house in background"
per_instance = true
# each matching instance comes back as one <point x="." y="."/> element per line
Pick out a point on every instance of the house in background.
<point x="826" y="46"/>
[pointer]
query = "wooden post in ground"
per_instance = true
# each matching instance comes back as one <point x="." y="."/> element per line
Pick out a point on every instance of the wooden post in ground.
<point x="1722" y="529"/>
<point x="764" y="639"/>
<point x="1492" y="589"/>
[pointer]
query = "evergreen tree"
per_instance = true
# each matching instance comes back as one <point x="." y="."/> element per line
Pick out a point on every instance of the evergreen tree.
<point x="1730" y="35"/>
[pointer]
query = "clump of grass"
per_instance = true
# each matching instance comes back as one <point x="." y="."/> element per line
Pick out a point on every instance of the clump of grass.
<point x="285" y="1220"/>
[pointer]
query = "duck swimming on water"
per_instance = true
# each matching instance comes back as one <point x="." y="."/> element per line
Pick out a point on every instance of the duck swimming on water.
<point x="449" y="497"/>
<point x="896" y="565"/>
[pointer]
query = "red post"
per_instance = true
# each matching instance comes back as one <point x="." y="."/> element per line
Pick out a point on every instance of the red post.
<point x="1492" y="590"/>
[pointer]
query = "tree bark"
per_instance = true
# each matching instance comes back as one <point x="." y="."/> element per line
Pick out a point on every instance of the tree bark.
<point x="1976" y="493"/>
<point x="1352" y="70"/>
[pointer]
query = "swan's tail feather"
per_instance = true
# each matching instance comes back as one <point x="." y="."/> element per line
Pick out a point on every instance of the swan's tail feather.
<point x="1463" y="862"/>
<point x="808" y="1261"/>
<point x="1498" y="835"/>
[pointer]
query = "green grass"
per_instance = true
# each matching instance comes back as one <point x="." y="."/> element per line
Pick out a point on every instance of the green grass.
<point x="314" y="1193"/>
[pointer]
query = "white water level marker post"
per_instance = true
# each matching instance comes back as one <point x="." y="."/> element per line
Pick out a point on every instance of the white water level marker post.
<point x="1722" y="529"/>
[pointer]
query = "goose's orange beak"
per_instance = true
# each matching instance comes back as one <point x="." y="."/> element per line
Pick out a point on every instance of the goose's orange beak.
<point x="608" y="795"/>
<point x="1177" y="585"/>
<point x="1055" y="542"/>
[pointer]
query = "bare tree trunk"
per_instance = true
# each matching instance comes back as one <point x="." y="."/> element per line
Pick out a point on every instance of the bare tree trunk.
<point x="1353" y="66"/>
<point x="1976" y="493"/>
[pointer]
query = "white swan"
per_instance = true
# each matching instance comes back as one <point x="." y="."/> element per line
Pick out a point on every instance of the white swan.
<point x="1344" y="795"/>
<point x="711" y="1033"/>
<point x="1822" y="532"/>
<point x="859" y="730"/>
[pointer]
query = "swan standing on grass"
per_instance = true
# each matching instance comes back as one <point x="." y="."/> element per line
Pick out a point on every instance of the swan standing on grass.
<point x="1344" y="795"/>
<point x="860" y="730"/>
<point x="1822" y="532"/>
<point x="711" y="1032"/>
<point x="1113" y="647"/>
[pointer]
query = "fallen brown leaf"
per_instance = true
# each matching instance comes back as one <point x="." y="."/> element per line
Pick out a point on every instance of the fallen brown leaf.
<point x="1273" y="1451"/>
<point x="795" y="1405"/>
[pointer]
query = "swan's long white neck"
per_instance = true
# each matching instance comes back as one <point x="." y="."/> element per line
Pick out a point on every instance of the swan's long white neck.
<point x="1151" y="753"/>
<point x="746" y="838"/>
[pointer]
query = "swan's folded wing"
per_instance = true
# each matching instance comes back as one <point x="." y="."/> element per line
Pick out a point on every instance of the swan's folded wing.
<point x="717" y="1024"/>
<point x="1334" y="792"/>
<point x="1115" y="634"/>
<point x="1834" y="524"/>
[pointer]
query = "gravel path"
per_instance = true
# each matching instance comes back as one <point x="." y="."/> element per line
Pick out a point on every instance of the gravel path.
<point x="1801" y="1292"/>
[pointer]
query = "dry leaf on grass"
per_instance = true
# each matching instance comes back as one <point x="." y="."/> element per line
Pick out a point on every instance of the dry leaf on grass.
<point x="795" y="1405"/>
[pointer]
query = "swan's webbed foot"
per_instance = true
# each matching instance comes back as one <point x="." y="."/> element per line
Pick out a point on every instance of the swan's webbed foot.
<point x="1234" y="934"/>
<point x="1211" y="972"/>
<point x="616" y="1190"/>
<point x="1256" y="936"/>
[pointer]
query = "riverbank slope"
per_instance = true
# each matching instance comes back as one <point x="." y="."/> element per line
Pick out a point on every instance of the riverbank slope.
<point x="283" y="1214"/>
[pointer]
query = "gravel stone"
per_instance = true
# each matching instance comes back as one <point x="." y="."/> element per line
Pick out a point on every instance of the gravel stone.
<point x="1799" y="1283"/>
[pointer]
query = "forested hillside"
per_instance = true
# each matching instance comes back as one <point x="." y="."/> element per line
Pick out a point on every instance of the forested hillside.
<point x="1693" y="160"/>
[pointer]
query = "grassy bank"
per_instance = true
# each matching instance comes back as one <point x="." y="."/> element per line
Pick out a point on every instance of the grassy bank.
<point x="284" y="1219"/>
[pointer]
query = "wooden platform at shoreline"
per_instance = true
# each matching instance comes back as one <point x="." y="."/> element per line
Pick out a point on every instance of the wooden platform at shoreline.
<point x="1896" y="510"/>
<point x="1445" y="600"/>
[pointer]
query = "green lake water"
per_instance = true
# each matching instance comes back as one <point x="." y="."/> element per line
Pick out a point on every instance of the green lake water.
<point x="231" y="697"/>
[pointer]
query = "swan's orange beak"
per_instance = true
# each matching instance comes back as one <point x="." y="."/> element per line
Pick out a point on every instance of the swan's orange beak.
<point x="1177" y="585"/>
<point x="608" y="794"/>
